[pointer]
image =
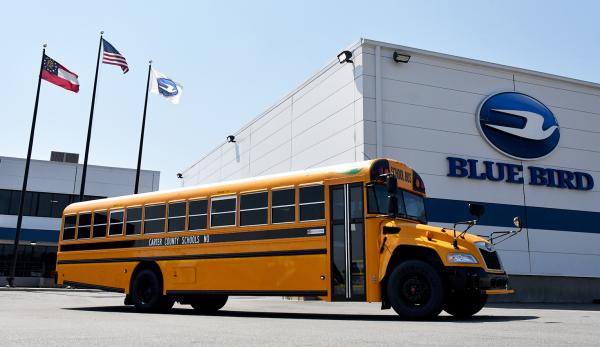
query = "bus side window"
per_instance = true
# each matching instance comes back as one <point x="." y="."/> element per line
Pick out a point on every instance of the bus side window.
<point x="154" y="219"/>
<point x="69" y="227"/>
<point x="283" y="206"/>
<point x="254" y="208"/>
<point x="115" y="222"/>
<point x="197" y="211"/>
<point x="222" y="211"/>
<point x="83" y="230"/>
<point x="134" y="221"/>
<point x="312" y="203"/>
<point x="176" y="220"/>
<point x="99" y="229"/>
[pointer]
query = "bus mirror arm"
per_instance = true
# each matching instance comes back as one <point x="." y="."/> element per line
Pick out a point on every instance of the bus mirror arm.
<point x="500" y="236"/>
<point x="469" y="223"/>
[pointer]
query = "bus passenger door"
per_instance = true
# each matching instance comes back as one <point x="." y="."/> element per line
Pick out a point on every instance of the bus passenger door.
<point x="347" y="242"/>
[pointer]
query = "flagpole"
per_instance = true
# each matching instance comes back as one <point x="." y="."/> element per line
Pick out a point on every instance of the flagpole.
<point x="139" y="163"/>
<point x="89" y="132"/>
<point x="13" y="267"/>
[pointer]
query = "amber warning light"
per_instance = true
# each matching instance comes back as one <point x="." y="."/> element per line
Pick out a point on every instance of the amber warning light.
<point x="418" y="184"/>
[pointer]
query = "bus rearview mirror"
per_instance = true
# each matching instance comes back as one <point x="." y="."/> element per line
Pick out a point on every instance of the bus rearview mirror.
<point x="476" y="210"/>
<point x="517" y="222"/>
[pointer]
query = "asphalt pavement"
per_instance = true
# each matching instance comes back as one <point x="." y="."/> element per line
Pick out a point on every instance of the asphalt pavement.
<point x="94" y="318"/>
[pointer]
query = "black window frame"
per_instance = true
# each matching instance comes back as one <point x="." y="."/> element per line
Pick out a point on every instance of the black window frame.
<point x="74" y="227"/>
<point x="235" y="212"/>
<point x="127" y="220"/>
<point x="293" y="205"/>
<point x="300" y="203"/>
<point x="110" y="221"/>
<point x="190" y="215"/>
<point x="163" y="218"/>
<point x="253" y="209"/>
<point x="89" y="226"/>
<point x="184" y="216"/>
<point x="105" y="224"/>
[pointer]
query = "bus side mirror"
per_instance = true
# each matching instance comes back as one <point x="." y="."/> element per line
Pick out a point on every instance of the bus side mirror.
<point x="476" y="210"/>
<point x="392" y="184"/>
<point x="392" y="206"/>
<point x="517" y="222"/>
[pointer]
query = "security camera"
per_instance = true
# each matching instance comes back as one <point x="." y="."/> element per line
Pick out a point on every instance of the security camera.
<point x="231" y="138"/>
<point x="179" y="175"/>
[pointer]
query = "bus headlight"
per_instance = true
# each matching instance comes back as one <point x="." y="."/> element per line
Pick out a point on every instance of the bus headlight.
<point x="461" y="258"/>
<point x="485" y="245"/>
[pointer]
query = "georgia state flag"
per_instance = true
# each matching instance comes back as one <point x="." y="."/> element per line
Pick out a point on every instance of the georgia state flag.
<point x="163" y="85"/>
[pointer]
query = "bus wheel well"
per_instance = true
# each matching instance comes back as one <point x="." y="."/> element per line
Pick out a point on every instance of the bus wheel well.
<point x="404" y="253"/>
<point x="150" y="265"/>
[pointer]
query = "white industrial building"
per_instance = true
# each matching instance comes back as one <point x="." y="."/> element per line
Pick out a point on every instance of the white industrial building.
<point x="436" y="113"/>
<point x="52" y="185"/>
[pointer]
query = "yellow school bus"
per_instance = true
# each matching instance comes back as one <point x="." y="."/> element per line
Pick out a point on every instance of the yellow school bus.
<point x="352" y="232"/>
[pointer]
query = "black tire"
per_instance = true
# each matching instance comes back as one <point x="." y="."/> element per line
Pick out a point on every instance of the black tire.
<point x="146" y="293"/>
<point x="415" y="290"/>
<point x="208" y="304"/>
<point x="464" y="305"/>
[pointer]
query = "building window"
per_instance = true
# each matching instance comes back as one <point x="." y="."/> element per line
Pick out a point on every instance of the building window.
<point x="37" y="204"/>
<point x="154" y="219"/>
<point x="177" y="216"/>
<point x="115" y="226"/>
<point x="83" y="228"/>
<point x="222" y="211"/>
<point x="197" y="214"/>
<point x="312" y="203"/>
<point x="283" y="206"/>
<point x="69" y="225"/>
<point x="100" y="222"/>
<point x="134" y="221"/>
<point x="254" y="208"/>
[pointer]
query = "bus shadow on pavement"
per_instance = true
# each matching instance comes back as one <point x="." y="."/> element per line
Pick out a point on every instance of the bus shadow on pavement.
<point x="300" y="316"/>
<point x="545" y="306"/>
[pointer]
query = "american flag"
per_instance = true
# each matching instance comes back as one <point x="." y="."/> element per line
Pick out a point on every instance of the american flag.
<point x="113" y="57"/>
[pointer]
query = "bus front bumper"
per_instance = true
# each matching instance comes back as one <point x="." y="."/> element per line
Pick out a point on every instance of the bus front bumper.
<point x="476" y="280"/>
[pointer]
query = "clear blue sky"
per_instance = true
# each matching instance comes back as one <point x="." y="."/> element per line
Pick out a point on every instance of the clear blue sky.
<point x="236" y="58"/>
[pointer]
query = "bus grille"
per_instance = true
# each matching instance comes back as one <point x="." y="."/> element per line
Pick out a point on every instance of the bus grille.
<point x="491" y="259"/>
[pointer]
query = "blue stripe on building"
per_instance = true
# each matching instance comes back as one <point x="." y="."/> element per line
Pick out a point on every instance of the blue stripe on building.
<point x="30" y="235"/>
<point x="501" y="215"/>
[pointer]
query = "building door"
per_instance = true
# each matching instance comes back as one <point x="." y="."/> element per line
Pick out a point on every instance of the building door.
<point x="347" y="242"/>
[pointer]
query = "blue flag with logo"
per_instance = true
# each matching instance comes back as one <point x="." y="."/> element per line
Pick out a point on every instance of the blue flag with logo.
<point x="165" y="86"/>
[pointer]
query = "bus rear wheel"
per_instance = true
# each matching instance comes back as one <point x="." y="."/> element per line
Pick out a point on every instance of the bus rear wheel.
<point x="146" y="293"/>
<point x="464" y="305"/>
<point x="415" y="290"/>
<point x="208" y="303"/>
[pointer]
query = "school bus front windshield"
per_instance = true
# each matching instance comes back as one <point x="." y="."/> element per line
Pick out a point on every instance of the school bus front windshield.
<point x="410" y="205"/>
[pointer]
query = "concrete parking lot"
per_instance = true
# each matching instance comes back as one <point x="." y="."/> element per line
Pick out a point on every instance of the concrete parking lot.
<point x="94" y="318"/>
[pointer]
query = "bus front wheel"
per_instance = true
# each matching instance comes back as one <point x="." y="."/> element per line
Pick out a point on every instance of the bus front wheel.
<point x="415" y="290"/>
<point x="208" y="303"/>
<point x="146" y="293"/>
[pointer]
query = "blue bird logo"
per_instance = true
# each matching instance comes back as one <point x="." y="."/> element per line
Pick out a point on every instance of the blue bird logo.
<point x="167" y="87"/>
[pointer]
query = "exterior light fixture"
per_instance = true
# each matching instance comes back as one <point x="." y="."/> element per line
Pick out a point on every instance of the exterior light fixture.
<point x="345" y="57"/>
<point x="33" y="243"/>
<point x="231" y="138"/>
<point x="401" y="58"/>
